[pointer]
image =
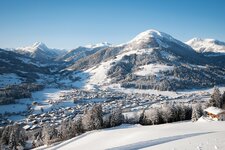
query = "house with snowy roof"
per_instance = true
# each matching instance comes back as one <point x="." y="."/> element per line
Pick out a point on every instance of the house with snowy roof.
<point x="215" y="113"/>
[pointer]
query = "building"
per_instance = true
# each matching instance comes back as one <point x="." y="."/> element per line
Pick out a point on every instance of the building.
<point x="215" y="113"/>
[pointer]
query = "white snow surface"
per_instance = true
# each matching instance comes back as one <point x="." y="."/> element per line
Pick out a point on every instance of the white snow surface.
<point x="207" y="45"/>
<point x="152" y="69"/>
<point x="175" y="136"/>
<point x="42" y="97"/>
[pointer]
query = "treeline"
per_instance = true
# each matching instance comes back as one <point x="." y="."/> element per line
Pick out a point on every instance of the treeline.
<point x="9" y="94"/>
<point x="13" y="137"/>
<point x="166" y="114"/>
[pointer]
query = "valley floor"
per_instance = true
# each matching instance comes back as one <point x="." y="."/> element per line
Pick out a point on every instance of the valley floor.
<point x="201" y="135"/>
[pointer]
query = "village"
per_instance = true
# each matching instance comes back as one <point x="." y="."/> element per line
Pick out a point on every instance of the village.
<point x="38" y="114"/>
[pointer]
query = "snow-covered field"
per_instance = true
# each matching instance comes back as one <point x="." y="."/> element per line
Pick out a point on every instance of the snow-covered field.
<point x="152" y="69"/>
<point x="202" y="135"/>
<point x="41" y="97"/>
<point x="173" y="94"/>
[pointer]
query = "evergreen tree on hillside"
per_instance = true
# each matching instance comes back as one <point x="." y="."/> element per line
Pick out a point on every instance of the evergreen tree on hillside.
<point x="93" y="118"/>
<point x="182" y="112"/>
<point x="97" y="114"/>
<point x="196" y="112"/>
<point x="153" y="116"/>
<point x="13" y="141"/>
<point x="65" y="130"/>
<point x="215" y="99"/>
<point x="116" y="117"/>
<point x="223" y="98"/>
<point x="5" y="135"/>
<point x="50" y="134"/>
<point x="167" y="113"/>
<point x="78" y="126"/>
<point x="13" y="136"/>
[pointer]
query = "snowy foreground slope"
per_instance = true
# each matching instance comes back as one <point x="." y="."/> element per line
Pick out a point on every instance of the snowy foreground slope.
<point x="200" y="135"/>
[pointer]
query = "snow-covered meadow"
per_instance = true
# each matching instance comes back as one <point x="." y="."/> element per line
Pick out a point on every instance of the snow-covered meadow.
<point x="201" y="135"/>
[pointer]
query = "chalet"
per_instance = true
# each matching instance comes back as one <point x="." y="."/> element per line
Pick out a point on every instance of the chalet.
<point x="216" y="113"/>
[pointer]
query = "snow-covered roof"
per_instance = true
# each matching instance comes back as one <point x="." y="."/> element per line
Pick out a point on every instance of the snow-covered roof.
<point x="26" y="127"/>
<point x="214" y="110"/>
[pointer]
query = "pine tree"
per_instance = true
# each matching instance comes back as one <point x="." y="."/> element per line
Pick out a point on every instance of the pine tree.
<point x="78" y="126"/>
<point x="167" y="113"/>
<point x="6" y="135"/>
<point x="153" y="116"/>
<point x="215" y="99"/>
<point x="182" y="112"/>
<point x="97" y="115"/>
<point x="87" y="120"/>
<point x="196" y="112"/>
<point x="66" y="130"/>
<point x="223" y="99"/>
<point x="50" y="134"/>
<point x="116" y="117"/>
<point x="92" y="118"/>
<point x="13" y="136"/>
<point x="142" y="118"/>
<point x="12" y="141"/>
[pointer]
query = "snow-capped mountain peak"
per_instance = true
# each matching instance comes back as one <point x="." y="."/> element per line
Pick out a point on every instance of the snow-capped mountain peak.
<point x="39" y="45"/>
<point x="102" y="44"/>
<point x="33" y="47"/>
<point x="207" y="45"/>
<point x="144" y="36"/>
<point x="39" y="50"/>
<point x="153" y="38"/>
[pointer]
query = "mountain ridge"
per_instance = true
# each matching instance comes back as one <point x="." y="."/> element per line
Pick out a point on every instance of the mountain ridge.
<point x="209" y="47"/>
<point x="151" y="60"/>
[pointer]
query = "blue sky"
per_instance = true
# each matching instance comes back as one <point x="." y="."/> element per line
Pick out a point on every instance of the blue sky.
<point x="70" y="23"/>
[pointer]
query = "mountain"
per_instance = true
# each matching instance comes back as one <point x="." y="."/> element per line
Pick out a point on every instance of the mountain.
<point x="209" y="47"/>
<point x="17" y="68"/>
<point x="152" y="60"/>
<point x="81" y="52"/>
<point x="40" y="51"/>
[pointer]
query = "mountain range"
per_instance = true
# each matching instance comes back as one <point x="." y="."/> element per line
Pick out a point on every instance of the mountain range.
<point x="151" y="60"/>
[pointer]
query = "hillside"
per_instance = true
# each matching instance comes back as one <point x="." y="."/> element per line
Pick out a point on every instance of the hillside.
<point x="174" y="136"/>
<point x="152" y="60"/>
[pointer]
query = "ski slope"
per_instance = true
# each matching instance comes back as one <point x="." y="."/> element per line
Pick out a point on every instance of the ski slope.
<point x="202" y="135"/>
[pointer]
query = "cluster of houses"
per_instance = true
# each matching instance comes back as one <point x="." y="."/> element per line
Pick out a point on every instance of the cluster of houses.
<point x="53" y="117"/>
<point x="128" y="102"/>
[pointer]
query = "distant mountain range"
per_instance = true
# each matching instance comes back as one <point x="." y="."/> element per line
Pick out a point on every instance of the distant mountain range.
<point x="152" y="60"/>
<point x="39" y="51"/>
<point x="209" y="47"/>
